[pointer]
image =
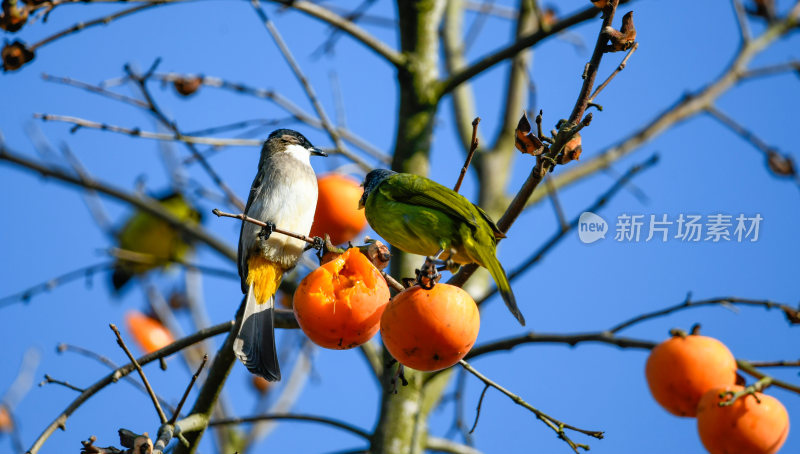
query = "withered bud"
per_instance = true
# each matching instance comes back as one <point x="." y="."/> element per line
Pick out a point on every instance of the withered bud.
<point x="600" y="3"/>
<point x="13" y="16"/>
<point x="624" y="38"/>
<point x="780" y="165"/>
<point x="15" y="55"/>
<point x="186" y="86"/>
<point x="178" y="300"/>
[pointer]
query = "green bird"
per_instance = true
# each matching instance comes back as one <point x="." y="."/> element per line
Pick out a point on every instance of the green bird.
<point x="158" y="242"/>
<point x="420" y="216"/>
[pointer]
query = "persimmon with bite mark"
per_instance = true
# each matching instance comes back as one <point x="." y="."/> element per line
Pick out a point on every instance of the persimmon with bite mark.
<point x="744" y="427"/>
<point x="430" y="329"/>
<point x="148" y="333"/>
<point x="337" y="211"/>
<point x="339" y="305"/>
<point x="681" y="369"/>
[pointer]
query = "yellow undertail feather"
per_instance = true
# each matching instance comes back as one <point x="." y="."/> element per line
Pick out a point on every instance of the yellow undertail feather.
<point x="265" y="277"/>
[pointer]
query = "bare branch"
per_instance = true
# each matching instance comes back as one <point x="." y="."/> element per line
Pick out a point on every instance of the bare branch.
<point x="741" y="19"/>
<point x="188" y="388"/>
<point x="275" y="229"/>
<point x="554" y="424"/>
<point x="136" y="132"/>
<point x="749" y="369"/>
<point x="95" y="89"/>
<point x="790" y="312"/>
<point x="621" y="66"/>
<point x="740" y="130"/>
<point x="82" y="272"/>
<point x="472" y="148"/>
<point x="141" y="202"/>
<point x="347" y="26"/>
<point x="138" y="367"/>
<point x="48" y="379"/>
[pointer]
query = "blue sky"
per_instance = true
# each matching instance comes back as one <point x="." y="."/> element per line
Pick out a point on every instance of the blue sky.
<point x="704" y="169"/>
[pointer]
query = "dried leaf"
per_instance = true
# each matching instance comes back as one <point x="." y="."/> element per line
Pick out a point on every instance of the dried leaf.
<point x="525" y="140"/>
<point x="13" y="17"/>
<point x="572" y="150"/>
<point x="625" y="37"/>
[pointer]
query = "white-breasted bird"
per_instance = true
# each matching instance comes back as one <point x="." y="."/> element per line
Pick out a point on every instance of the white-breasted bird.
<point x="283" y="195"/>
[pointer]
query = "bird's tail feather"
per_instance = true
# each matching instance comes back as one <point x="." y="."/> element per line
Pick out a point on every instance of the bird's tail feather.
<point x="501" y="280"/>
<point x="255" y="342"/>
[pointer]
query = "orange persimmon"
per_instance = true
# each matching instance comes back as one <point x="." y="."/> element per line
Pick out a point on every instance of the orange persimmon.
<point x="430" y="329"/>
<point x="339" y="304"/>
<point x="744" y="427"/>
<point x="681" y="369"/>
<point x="6" y="424"/>
<point x="148" y="332"/>
<point x="337" y="211"/>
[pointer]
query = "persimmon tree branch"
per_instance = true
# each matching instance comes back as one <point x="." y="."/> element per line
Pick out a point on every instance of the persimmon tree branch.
<point x="141" y="202"/>
<point x="347" y="26"/>
<point x="288" y="417"/>
<point x="562" y="232"/>
<point x="554" y="424"/>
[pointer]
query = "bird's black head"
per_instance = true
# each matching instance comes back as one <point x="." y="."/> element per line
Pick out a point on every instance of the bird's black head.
<point x="281" y="139"/>
<point x="372" y="181"/>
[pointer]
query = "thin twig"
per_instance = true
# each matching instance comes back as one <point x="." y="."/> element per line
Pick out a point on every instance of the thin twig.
<point x="352" y="16"/>
<point x="188" y="388"/>
<point x="295" y="417"/>
<point x="559" y="210"/>
<point x="688" y="303"/>
<point x="138" y="367"/>
<point x="781" y="363"/>
<point x="82" y="272"/>
<point x="472" y="148"/>
<point x="48" y="379"/>
<point x="740" y="130"/>
<point x="554" y="424"/>
<point x="619" y="69"/>
<point x="750" y="370"/>
<point x="136" y="132"/>
<point x="741" y="19"/>
<point x="478" y="408"/>
<point x="772" y="69"/>
<point x="100" y="21"/>
<point x="275" y="229"/>
<point x="94" y="89"/>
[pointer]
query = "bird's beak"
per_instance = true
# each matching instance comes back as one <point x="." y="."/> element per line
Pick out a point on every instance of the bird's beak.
<point x="317" y="152"/>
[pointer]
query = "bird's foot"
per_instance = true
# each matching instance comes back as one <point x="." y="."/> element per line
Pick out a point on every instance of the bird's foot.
<point x="266" y="231"/>
<point x="319" y="243"/>
<point x="428" y="275"/>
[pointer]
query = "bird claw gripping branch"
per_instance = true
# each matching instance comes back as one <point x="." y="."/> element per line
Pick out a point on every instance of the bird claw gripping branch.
<point x="266" y="231"/>
<point x="428" y="275"/>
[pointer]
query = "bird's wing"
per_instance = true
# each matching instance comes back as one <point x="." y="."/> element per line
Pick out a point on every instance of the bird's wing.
<point x="420" y="191"/>
<point x="243" y="248"/>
